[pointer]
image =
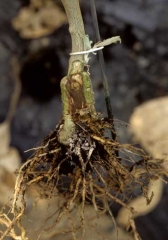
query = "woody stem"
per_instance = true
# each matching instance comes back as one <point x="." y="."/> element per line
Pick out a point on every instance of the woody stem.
<point x="76" y="28"/>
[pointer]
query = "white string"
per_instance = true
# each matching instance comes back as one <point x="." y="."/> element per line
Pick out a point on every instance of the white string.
<point x="98" y="46"/>
<point x="94" y="49"/>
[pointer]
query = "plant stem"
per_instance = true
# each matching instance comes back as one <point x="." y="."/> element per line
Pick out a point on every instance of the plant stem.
<point x="76" y="87"/>
<point x="76" y="29"/>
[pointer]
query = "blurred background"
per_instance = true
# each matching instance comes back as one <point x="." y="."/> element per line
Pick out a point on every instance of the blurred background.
<point x="35" y="32"/>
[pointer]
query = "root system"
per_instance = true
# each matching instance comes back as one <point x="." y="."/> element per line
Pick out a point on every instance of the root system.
<point x="84" y="172"/>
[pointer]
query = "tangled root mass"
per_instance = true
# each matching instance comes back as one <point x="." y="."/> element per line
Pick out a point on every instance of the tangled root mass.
<point x="87" y="170"/>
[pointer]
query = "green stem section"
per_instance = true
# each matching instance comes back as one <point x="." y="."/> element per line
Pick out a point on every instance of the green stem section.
<point x="76" y="28"/>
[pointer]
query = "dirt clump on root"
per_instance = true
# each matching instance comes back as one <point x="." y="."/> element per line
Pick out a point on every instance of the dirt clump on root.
<point x="87" y="171"/>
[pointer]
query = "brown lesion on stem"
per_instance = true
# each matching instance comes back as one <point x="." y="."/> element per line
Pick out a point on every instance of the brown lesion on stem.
<point x="78" y="101"/>
<point x="77" y="98"/>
